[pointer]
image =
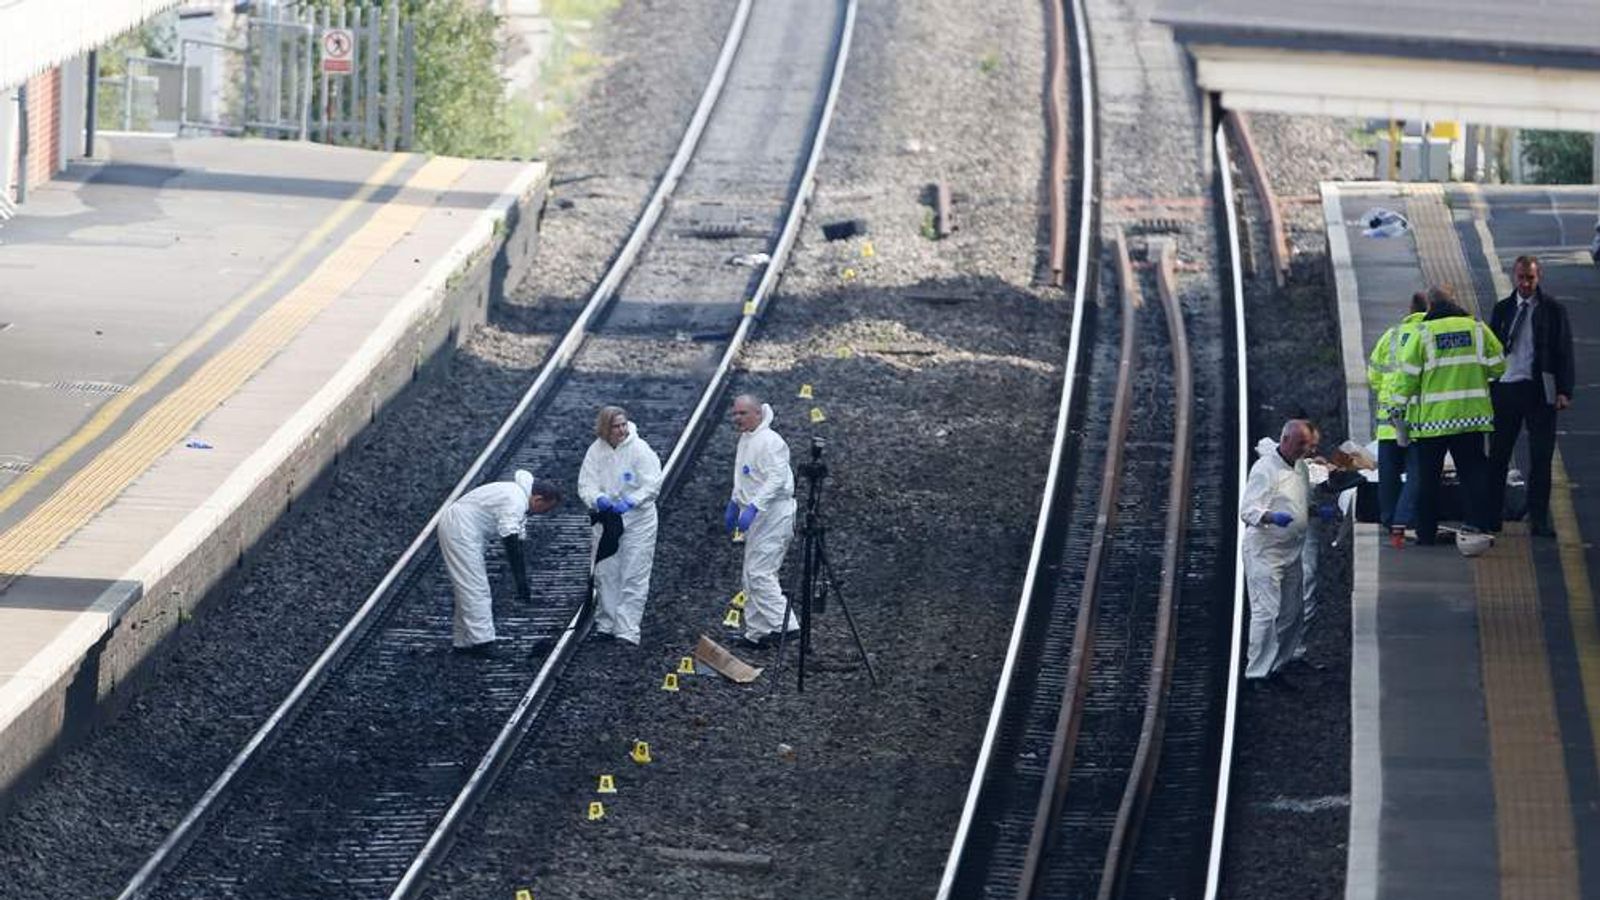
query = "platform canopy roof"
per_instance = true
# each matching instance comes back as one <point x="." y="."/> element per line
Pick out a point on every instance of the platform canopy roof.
<point x="1534" y="63"/>
<point x="38" y="34"/>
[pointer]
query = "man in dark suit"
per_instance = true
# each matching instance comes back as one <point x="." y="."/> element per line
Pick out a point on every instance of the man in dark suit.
<point x="1537" y="337"/>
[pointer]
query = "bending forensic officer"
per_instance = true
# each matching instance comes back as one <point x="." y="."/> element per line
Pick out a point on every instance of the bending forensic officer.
<point x="621" y="476"/>
<point x="498" y="509"/>
<point x="763" y="507"/>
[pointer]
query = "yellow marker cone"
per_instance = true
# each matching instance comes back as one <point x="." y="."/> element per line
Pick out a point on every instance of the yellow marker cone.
<point x="848" y="274"/>
<point x="524" y="894"/>
<point x="731" y="620"/>
<point x="805" y="392"/>
<point x="867" y="251"/>
<point x="608" y="785"/>
<point x="597" y="811"/>
<point x="844" y="351"/>
<point x="641" y="752"/>
<point x="817" y="416"/>
<point x="749" y="307"/>
<point x="670" y="683"/>
<point x="738" y="600"/>
<point x="738" y="537"/>
<point x="686" y="666"/>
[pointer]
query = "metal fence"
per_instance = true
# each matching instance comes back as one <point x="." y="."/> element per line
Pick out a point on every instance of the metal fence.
<point x="279" y="82"/>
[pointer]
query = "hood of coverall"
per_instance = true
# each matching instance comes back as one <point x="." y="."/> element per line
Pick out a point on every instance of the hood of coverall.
<point x="524" y="480"/>
<point x="766" y="418"/>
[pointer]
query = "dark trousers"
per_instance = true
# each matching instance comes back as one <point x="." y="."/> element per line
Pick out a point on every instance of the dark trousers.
<point x="1519" y="405"/>
<point x="1425" y="467"/>
<point x="1395" y="506"/>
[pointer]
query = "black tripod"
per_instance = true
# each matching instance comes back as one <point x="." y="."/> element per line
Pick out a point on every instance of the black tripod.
<point x="817" y="577"/>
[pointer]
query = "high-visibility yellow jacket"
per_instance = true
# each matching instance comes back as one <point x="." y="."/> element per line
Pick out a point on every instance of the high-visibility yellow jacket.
<point x="1444" y="376"/>
<point x="1382" y="366"/>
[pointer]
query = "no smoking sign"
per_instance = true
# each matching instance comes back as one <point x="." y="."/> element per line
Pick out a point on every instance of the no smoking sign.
<point x="338" y="51"/>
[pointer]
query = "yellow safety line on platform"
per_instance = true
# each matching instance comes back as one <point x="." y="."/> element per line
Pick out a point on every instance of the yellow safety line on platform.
<point x="1533" y="809"/>
<point x="112" y="409"/>
<point x="1438" y="246"/>
<point x="1580" y="599"/>
<point x="171" y="418"/>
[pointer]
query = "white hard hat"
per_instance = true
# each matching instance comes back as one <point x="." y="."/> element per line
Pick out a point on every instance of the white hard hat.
<point x="1473" y="543"/>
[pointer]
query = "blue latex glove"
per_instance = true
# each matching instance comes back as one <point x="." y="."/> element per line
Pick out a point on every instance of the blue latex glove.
<point x="1327" y="512"/>
<point x="623" y="505"/>
<point x="748" y="516"/>
<point x="1282" y="519"/>
<point x="730" y="515"/>
<point x="603" y="503"/>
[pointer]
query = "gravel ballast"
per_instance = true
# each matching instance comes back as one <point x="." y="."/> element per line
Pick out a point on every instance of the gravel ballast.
<point x="105" y="805"/>
<point x="937" y="365"/>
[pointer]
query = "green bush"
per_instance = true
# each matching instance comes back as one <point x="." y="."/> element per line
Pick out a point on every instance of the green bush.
<point x="1559" y="157"/>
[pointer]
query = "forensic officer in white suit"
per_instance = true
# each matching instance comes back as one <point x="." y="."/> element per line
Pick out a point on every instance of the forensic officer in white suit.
<point x="621" y="475"/>
<point x="498" y="509"/>
<point x="763" y="507"/>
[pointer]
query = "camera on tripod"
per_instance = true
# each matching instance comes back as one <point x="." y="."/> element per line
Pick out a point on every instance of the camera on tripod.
<point x="816" y="469"/>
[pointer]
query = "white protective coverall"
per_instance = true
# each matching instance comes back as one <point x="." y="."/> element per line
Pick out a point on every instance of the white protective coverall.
<point x="1272" y="558"/>
<point x="761" y="476"/>
<point x="494" y="510"/>
<point x="628" y="471"/>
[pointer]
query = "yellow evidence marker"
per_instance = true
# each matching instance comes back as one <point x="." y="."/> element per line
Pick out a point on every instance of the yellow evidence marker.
<point x="817" y="416"/>
<point x="749" y="307"/>
<point x="731" y="620"/>
<point x="608" y="785"/>
<point x="524" y="894"/>
<point x="597" y="811"/>
<point x="738" y="600"/>
<point x="805" y="392"/>
<point x="670" y="683"/>
<point x="641" y="752"/>
<point x="686" y="666"/>
<point x="867" y="251"/>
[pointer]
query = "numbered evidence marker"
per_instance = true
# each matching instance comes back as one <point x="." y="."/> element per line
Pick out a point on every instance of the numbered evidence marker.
<point x="731" y="620"/>
<point x="641" y="752"/>
<point x="597" y="810"/>
<point x="670" y="683"/>
<point x="608" y="785"/>
<point x="805" y="392"/>
<point x="524" y="894"/>
<point x="738" y="600"/>
<point x="749" y="307"/>
<point x="817" y="415"/>
<point x="686" y="666"/>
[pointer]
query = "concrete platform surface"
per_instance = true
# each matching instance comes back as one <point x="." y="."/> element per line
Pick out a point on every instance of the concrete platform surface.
<point x="1476" y="683"/>
<point x="190" y="331"/>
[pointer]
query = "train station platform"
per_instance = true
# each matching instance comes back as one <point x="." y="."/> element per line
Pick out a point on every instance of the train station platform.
<point x="190" y="333"/>
<point x="1475" y="684"/>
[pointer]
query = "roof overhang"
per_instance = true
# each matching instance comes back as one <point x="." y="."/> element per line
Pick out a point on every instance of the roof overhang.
<point x="38" y="34"/>
<point x="1376" y="85"/>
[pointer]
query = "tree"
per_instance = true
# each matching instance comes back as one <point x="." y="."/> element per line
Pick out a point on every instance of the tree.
<point x="1559" y="157"/>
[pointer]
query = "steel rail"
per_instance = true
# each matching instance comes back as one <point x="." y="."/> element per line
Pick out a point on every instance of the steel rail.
<point x="1219" y="820"/>
<point x="1148" y="755"/>
<point x="1083" y="287"/>
<point x="1056" y="114"/>
<point x="381" y="597"/>
<point x="522" y="717"/>
<point x="1064" y="742"/>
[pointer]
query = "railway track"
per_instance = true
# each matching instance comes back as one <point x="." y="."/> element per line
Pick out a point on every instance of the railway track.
<point x="1104" y="768"/>
<point x="356" y="784"/>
